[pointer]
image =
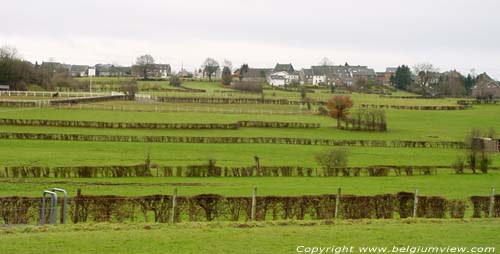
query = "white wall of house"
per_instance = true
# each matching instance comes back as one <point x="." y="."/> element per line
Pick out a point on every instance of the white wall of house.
<point x="279" y="78"/>
<point x="317" y="80"/>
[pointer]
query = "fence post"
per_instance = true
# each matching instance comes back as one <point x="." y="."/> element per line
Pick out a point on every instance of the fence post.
<point x="174" y="203"/>
<point x="77" y="204"/>
<point x="254" y="202"/>
<point x="337" y="202"/>
<point x="415" y="204"/>
<point x="492" y="203"/>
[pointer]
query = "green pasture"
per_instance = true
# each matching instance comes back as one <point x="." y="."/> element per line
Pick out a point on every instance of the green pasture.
<point x="446" y="184"/>
<point x="67" y="153"/>
<point x="402" y="124"/>
<point x="262" y="237"/>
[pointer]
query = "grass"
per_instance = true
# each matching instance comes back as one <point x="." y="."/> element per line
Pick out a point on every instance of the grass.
<point x="402" y="124"/>
<point x="445" y="183"/>
<point x="62" y="153"/>
<point x="263" y="237"/>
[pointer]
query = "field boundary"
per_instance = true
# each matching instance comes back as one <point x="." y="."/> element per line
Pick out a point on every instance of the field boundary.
<point x="213" y="207"/>
<point x="136" y="125"/>
<point x="233" y="140"/>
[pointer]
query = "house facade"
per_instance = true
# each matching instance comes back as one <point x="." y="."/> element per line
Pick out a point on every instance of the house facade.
<point x="283" y="74"/>
<point x="154" y="71"/>
<point x="486" y="87"/>
<point x="341" y="75"/>
<point x="79" y="70"/>
<point x="260" y="75"/>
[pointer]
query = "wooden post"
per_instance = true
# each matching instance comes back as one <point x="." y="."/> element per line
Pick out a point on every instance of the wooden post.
<point x="174" y="203"/>
<point x="492" y="203"/>
<point x="77" y="205"/>
<point x="337" y="202"/>
<point x="415" y="204"/>
<point x="254" y="203"/>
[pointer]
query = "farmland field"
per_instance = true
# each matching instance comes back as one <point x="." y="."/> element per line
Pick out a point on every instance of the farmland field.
<point x="253" y="238"/>
<point x="419" y="147"/>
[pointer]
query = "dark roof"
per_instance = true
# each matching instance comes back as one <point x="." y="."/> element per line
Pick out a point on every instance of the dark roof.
<point x="322" y="70"/>
<point x="307" y="72"/>
<point x="256" y="72"/>
<point x="361" y="71"/>
<point x="485" y="81"/>
<point x="341" y="71"/>
<point x="283" y="67"/>
<point x="79" y="68"/>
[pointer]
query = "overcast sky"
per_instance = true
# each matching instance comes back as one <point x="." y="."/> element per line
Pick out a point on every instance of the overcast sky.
<point x="451" y="34"/>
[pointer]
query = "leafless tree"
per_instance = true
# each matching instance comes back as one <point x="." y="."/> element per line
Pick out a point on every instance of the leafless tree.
<point x="228" y="64"/>
<point x="210" y="66"/>
<point x="426" y="73"/>
<point x="144" y="64"/>
<point x="325" y="61"/>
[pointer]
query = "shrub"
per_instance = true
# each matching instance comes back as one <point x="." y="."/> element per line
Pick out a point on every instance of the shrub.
<point x="248" y="86"/>
<point x="458" y="165"/>
<point x="332" y="160"/>
<point x="175" y="81"/>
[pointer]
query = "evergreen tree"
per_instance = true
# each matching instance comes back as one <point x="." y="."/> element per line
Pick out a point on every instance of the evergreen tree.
<point x="469" y="83"/>
<point x="402" y="79"/>
<point x="226" y="76"/>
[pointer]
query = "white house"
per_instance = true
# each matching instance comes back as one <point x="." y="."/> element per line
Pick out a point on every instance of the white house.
<point x="283" y="74"/>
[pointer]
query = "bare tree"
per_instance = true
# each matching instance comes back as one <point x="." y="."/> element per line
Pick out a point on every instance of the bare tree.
<point x="144" y="64"/>
<point x="325" y="61"/>
<point x="210" y="66"/>
<point x="9" y="52"/>
<point x="426" y="73"/>
<point x="228" y="64"/>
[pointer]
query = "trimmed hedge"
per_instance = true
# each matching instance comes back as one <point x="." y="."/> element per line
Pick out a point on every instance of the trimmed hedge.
<point x="124" y="125"/>
<point x="209" y="171"/>
<point x="407" y="107"/>
<point x="212" y="207"/>
<point x="234" y="140"/>
<point x="87" y="99"/>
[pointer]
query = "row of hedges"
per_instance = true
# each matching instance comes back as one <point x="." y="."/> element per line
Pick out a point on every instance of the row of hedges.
<point x="87" y="99"/>
<point x="460" y="107"/>
<point x="20" y="103"/>
<point x="123" y="125"/>
<point x="225" y="100"/>
<point x="478" y="101"/>
<point x="209" y="171"/>
<point x="212" y="207"/>
<point x="234" y="140"/>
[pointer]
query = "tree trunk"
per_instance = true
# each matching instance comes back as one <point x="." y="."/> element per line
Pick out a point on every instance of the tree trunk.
<point x="338" y="123"/>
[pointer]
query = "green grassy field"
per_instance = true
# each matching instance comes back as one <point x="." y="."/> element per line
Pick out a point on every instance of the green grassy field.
<point x="445" y="183"/>
<point x="271" y="237"/>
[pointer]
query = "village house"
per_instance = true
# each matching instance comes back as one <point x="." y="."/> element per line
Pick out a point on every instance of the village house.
<point x="154" y="71"/>
<point x="385" y="77"/>
<point x="283" y="74"/>
<point x="55" y="67"/>
<point x="338" y="75"/>
<point x="79" y="70"/>
<point x="253" y="74"/>
<point x="306" y="76"/>
<point x="486" y="87"/>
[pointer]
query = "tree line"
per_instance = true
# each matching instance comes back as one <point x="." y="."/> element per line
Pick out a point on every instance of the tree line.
<point x="426" y="80"/>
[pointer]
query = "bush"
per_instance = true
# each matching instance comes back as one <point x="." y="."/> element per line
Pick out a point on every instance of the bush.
<point x="175" y="81"/>
<point x="248" y="86"/>
<point x="323" y="111"/>
<point x="459" y="165"/>
<point x="332" y="160"/>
